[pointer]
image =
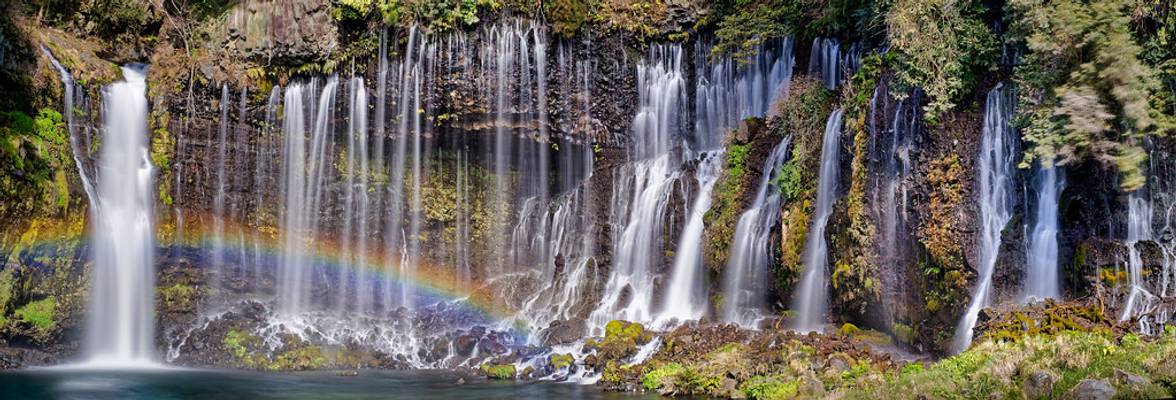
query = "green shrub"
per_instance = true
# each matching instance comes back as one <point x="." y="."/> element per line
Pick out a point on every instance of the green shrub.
<point x="1084" y="91"/>
<point x="654" y="380"/>
<point x="940" y="46"/>
<point x="39" y="314"/>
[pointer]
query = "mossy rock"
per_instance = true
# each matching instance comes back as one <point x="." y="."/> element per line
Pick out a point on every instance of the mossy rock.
<point x="560" y="361"/>
<point x="39" y="314"/>
<point x="625" y="330"/>
<point x="499" y="371"/>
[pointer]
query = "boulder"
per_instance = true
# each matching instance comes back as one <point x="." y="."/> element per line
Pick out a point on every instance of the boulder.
<point x="1131" y="380"/>
<point x="1039" y="385"/>
<point x="563" y="332"/>
<point x="1091" y="389"/>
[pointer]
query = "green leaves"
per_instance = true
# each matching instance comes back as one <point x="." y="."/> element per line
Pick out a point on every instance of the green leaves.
<point x="940" y="46"/>
<point x="1085" y="90"/>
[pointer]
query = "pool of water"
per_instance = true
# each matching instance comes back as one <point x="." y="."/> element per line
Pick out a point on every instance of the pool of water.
<point x="224" y="385"/>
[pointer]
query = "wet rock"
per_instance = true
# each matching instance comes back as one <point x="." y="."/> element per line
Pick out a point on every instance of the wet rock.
<point x="488" y="345"/>
<point x="563" y="332"/>
<point x="13" y="358"/>
<point x="464" y="345"/>
<point x="1040" y="384"/>
<point x="1091" y="389"/>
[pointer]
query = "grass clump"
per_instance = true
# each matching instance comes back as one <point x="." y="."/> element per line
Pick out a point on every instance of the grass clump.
<point x="39" y="314"/>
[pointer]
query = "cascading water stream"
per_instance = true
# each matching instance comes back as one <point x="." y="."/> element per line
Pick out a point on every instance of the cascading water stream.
<point x="1042" y="279"/>
<point x="686" y="297"/>
<point x="997" y="151"/>
<point x="120" y="326"/>
<point x="303" y="171"/>
<point x="69" y="87"/>
<point x="813" y="297"/>
<point x="746" y="275"/>
<point x="642" y="189"/>
<point x="1139" y="214"/>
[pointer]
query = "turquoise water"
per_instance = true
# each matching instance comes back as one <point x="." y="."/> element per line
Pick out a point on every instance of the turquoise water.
<point x="228" y="385"/>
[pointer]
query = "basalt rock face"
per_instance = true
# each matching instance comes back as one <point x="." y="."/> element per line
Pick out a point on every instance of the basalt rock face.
<point x="270" y="32"/>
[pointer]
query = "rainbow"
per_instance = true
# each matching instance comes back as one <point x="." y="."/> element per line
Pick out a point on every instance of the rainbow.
<point x="52" y="238"/>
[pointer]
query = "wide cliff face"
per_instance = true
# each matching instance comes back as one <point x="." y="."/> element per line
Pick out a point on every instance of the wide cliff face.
<point x="504" y="158"/>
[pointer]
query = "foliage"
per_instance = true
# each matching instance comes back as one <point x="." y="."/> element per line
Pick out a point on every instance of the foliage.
<point x="729" y="194"/>
<point x="999" y="369"/>
<point x="941" y="46"/>
<point x="855" y="276"/>
<point x="444" y="15"/>
<point x="943" y="275"/>
<point x="178" y="297"/>
<point x="1084" y="90"/>
<point x="803" y="116"/>
<point x="639" y="17"/>
<point x="742" y="25"/>
<point x="33" y="152"/>
<point x="39" y="314"/>
<point x="788" y="180"/>
<point x="566" y="16"/>
<point x="656" y="378"/>
<point x="433" y="15"/>
<point x="770" y="388"/>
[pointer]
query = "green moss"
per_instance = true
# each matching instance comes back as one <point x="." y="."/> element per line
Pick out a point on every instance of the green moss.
<point x="235" y="341"/>
<point x="618" y="330"/>
<point x="499" y="371"/>
<point x="39" y="314"/>
<point x="560" y="361"/>
<point x="178" y="296"/>
<point x="848" y="329"/>
<point x="302" y="358"/>
<point x="904" y="333"/>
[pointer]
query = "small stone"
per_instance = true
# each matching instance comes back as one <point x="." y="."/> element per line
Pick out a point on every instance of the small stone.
<point x="1090" y="389"/>
<point x="729" y="388"/>
<point x="838" y="365"/>
<point x="1131" y="379"/>
<point x="1039" y="385"/>
<point x="460" y="381"/>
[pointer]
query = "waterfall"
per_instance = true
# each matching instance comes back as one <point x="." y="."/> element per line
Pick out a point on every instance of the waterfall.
<point x="642" y="189"/>
<point x="729" y="90"/>
<point x="218" y="202"/>
<point x="264" y="181"/>
<point x="304" y="168"/>
<point x="997" y="153"/>
<point x="1041" y="281"/>
<point x="69" y="86"/>
<point x="1139" y="214"/>
<point x="811" y="302"/>
<point x="745" y="281"/>
<point x="685" y="299"/>
<point x="354" y="288"/>
<point x="823" y="61"/>
<point x="120" y="326"/>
